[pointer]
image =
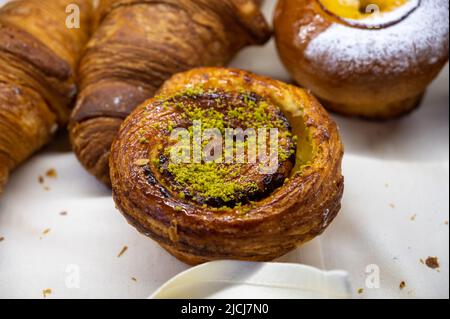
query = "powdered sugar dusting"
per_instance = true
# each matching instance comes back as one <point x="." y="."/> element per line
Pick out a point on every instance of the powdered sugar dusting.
<point x="421" y="38"/>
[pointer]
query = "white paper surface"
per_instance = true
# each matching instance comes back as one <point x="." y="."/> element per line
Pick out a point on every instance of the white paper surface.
<point x="394" y="213"/>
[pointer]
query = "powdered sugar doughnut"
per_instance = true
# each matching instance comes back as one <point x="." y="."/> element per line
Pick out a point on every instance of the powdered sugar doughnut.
<point x="375" y="66"/>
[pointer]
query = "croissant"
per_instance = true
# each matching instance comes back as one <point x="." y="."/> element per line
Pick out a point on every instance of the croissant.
<point x="228" y="206"/>
<point x="38" y="58"/>
<point x="138" y="45"/>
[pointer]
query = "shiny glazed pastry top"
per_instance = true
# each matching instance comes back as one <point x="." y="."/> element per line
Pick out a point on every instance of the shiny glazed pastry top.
<point x="373" y="59"/>
<point x="225" y="164"/>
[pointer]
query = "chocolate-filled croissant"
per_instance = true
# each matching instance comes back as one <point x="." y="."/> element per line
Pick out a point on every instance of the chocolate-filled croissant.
<point x="141" y="43"/>
<point x="40" y="45"/>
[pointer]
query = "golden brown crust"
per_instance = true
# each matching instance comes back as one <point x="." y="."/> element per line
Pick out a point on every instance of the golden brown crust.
<point x="23" y="128"/>
<point x="140" y="44"/>
<point x="374" y="90"/>
<point x="91" y="135"/>
<point x="38" y="58"/>
<point x="292" y="214"/>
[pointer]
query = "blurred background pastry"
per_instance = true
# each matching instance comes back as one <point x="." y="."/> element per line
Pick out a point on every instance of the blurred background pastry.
<point x="372" y="59"/>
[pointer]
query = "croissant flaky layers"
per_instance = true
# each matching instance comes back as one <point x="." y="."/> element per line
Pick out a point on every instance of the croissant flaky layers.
<point x="141" y="43"/>
<point x="39" y="53"/>
<point x="208" y="210"/>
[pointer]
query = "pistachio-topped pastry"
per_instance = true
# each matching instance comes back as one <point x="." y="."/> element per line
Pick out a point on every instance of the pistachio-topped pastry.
<point x="223" y="180"/>
<point x="227" y="164"/>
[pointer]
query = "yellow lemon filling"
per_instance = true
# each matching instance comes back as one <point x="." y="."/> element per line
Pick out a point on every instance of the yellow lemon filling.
<point x="360" y="9"/>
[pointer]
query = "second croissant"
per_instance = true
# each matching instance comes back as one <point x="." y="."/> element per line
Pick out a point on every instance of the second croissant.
<point x="140" y="44"/>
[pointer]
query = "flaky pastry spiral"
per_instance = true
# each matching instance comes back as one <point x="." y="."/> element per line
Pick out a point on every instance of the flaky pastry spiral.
<point x="207" y="211"/>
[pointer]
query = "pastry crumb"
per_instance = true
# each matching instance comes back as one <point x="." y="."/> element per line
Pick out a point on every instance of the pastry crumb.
<point x="432" y="262"/>
<point x="46" y="231"/>
<point x="64" y="213"/>
<point x="2" y="238"/>
<point x="51" y="173"/>
<point x="46" y="292"/>
<point x="142" y="162"/>
<point x="360" y="291"/>
<point x="122" y="252"/>
<point x="446" y="222"/>
<point x="134" y="279"/>
<point x="413" y="217"/>
<point x="392" y="205"/>
<point x="402" y="285"/>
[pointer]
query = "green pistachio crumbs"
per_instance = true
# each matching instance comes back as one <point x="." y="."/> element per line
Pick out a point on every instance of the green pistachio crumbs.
<point x="220" y="180"/>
